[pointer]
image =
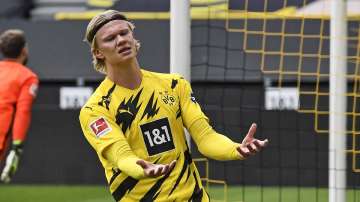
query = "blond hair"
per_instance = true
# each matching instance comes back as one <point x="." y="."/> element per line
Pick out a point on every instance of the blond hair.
<point x="94" y="25"/>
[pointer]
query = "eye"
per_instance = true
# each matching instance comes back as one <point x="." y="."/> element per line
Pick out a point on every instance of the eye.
<point x="110" y="38"/>
<point x="124" y="32"/>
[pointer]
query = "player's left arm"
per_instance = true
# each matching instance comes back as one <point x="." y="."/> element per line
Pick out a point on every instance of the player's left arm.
<point x="209" y="142"/>
<point x="219" y="147"/>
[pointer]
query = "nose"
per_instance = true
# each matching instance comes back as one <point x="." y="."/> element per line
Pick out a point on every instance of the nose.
<point x="120" y="40"/>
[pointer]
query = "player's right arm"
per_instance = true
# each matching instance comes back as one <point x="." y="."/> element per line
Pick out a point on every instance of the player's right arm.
<point x="106" y="137"/>
<point x="24" y="104"/>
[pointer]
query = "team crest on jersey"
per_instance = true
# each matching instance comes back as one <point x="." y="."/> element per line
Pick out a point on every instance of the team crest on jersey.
<point x="100" y="127"/>
<point x="157" y="136"/>
<point x="168" y="98"/>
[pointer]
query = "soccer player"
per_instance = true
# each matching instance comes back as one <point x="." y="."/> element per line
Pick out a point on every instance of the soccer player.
<point x="18" y="86"/>
<point x="135" y="119"/>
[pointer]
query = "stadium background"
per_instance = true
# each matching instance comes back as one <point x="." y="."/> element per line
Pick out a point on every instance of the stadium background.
<point x="227" y="82"/>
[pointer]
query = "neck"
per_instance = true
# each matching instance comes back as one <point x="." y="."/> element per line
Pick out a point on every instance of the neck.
<point x="17" y="60"/>
<point x="127" y="75"/>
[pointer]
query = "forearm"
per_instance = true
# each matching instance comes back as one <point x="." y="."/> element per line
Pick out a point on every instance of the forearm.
<point x="128" y="165"/>
<point x="22" y="117"/>
<point x="21" y="124"/>
<point x="121" y="155"/>
<point x="212" y="144"/>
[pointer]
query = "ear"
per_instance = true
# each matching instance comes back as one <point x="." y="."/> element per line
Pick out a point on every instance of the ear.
<point x="98" y="54"/>
<point x="137" y="45"/>
<point x="25" y="51"/>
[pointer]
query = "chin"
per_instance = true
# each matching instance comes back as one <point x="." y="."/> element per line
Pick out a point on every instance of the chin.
<point x="125" y="60"/>
<point x="128" y="57"/>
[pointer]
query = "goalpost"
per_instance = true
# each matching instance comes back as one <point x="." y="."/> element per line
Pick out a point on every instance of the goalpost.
<point x="180" y="37"/>
<point x="337" y="98"/>
<point x="180" y="55"/>
<point x="180" y="51"/>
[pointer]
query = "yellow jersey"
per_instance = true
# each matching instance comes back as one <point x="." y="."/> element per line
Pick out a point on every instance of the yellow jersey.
<point x="150" y="121"/>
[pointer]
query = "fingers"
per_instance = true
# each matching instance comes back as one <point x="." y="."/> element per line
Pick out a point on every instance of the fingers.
<point x="261" y="143"/>
<point x="165" y="169"/>
<point x="155" y="170"/>
<point x="142" y="163"/>
<point x="158" y="170"/>
<point x="252" y="147"/>
<point x="172" y="165"/>
<point x="244" y="152"/>
<point x="149" y="172"/>
<point x="252" y="130"/>
<point x="250" y="135"/>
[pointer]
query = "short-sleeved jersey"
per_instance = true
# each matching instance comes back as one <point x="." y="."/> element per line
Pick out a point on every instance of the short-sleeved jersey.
<point x="152" y="119"/>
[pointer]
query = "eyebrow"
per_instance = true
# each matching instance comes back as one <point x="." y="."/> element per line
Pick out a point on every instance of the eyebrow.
<point x="116" y="32"/>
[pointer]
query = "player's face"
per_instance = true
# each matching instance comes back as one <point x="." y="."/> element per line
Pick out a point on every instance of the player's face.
<point x="115" y="42"/>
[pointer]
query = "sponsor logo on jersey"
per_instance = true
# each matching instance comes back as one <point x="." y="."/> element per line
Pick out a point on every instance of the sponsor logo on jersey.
<point x="157" y="136"/>
<point x="100" y="127"/>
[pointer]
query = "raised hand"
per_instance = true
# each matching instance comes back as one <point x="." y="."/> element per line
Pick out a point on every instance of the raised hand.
<point x="155" y="170"/>
<point x="250" y="145"/>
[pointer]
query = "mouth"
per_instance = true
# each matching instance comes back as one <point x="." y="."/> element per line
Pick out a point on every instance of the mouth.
<point x="124" y="50"/>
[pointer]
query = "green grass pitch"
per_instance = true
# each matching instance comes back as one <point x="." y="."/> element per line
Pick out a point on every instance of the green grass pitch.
<point x="53" y="193"/>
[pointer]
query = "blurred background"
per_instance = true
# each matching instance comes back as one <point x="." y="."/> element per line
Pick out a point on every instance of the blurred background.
<point x="260" y="61"/>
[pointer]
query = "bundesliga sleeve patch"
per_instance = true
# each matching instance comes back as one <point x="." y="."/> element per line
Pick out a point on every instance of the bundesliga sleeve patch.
<point x="100" y="127"/>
